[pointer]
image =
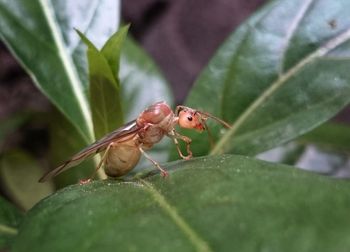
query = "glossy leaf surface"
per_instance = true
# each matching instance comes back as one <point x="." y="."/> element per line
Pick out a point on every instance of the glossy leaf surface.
<point x="223" y="203"/>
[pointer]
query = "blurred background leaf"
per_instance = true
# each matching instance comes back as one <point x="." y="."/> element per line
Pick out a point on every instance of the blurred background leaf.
<point x="11" y="124"/>
<point x="19" y="178"/>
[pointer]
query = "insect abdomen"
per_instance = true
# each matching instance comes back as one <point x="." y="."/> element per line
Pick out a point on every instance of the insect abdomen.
<point x="122" y="158"/>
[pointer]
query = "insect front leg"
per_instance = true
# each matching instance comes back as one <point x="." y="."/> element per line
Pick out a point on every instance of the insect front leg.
<point x="163" y="172"/>
<point x="102" y="161"/>
<point x="175" y="136"/>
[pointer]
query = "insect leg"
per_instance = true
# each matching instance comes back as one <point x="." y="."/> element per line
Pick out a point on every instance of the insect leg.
<point x="163" y="172"/>
<point x="175" y="136"/>
<point x="103" y="160"/>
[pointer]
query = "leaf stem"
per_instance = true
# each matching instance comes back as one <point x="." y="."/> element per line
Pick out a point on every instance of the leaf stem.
<point x="4" y="229"/>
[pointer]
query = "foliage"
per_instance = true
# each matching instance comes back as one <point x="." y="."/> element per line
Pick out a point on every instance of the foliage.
<point x="280" y="75"/>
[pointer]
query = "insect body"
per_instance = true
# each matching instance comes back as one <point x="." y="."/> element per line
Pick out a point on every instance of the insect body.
<point x="124" y="146"/>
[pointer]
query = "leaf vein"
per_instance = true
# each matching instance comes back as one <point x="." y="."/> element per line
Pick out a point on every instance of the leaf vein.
<point x="195" y="239"/>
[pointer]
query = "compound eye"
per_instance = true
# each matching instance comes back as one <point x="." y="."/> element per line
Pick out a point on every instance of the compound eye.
<point x="189" y="118"/>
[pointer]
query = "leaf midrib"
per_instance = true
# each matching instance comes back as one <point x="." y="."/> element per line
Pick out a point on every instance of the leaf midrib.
<point x="69" y="67"/>
<point x="199" y="243"/>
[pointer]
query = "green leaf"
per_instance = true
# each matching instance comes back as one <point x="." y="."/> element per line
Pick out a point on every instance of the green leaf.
<point x="104" y="90"/>
<point x="222" y="203"/>
<point x="19" y="175"/>
<point x="40" y="34"/>
<point x="10" y="217"/>
<point x="281" y="74"/>
<point x="113" y="47"/>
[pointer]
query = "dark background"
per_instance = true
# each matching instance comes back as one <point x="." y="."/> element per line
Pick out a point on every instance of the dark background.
<point x="183" y="35"/>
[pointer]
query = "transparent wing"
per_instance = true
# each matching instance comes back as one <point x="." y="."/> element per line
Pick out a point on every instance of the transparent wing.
<point x="129" y="129"/>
